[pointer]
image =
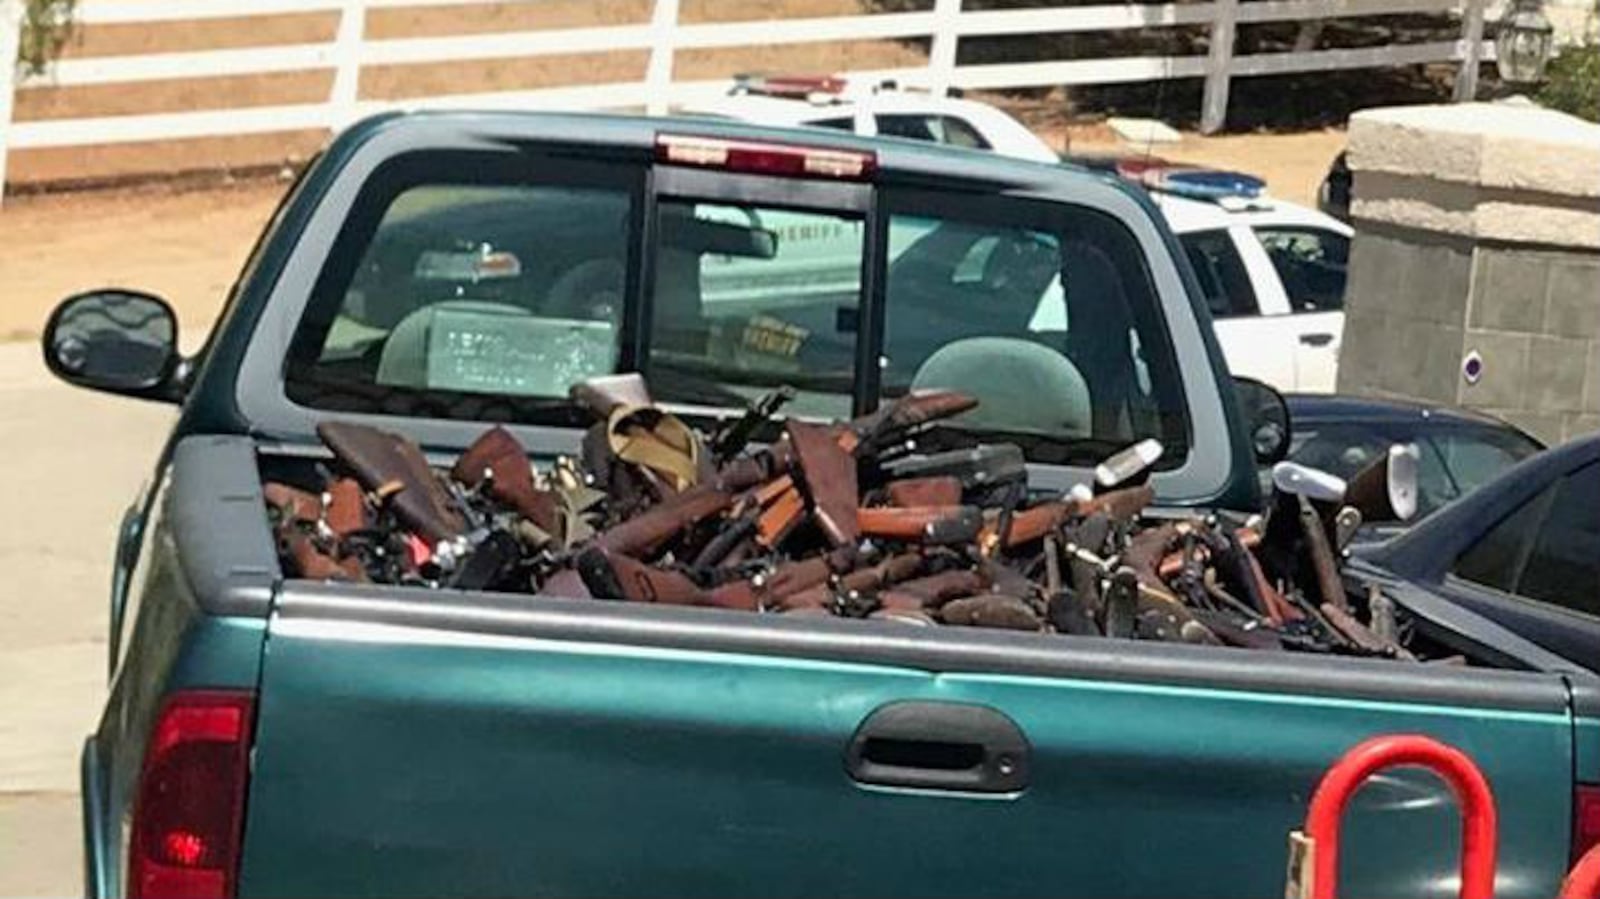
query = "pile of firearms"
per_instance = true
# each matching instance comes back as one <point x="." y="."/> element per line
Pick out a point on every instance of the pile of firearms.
<point x="846" y="520"/>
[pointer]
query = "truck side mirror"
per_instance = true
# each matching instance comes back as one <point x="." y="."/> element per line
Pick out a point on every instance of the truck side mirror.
<point x="1266" y="417"/>
<point x="118" y="341"/>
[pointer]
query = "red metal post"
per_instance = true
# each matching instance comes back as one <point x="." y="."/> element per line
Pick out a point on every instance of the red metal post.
<point x="1452" y="765"/>
<point x="1584" y="880"/>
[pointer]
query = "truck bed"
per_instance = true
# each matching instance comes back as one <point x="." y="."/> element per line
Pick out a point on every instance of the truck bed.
<point x="417" y="741"/>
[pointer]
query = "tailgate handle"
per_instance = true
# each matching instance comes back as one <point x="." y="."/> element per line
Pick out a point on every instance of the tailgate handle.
<point x="1316" y="339"/>
<point x="939" y="746"/>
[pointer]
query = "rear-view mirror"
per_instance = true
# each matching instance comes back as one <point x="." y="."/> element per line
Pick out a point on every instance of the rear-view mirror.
<point x="119" y="341"/>
<point x="698" y="235"/>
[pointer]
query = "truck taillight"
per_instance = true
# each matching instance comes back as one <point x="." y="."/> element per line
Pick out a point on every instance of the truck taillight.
<point x="1585" y="819"/>
<point x="764" y="158"/>
<point x="189" y="813"/>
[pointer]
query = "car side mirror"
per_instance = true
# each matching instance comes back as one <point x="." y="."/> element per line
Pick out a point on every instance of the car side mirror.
<point x="118" y="341"/>
<point x="1266" y="416"/>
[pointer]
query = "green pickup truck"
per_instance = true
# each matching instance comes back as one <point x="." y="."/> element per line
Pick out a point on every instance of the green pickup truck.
<point x="430" y="272"/>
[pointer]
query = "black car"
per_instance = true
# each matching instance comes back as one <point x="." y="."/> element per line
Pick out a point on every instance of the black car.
<point x="1333" y="195"/>
<point x="1523" y="550"/>
<point x="1460" y="450"/>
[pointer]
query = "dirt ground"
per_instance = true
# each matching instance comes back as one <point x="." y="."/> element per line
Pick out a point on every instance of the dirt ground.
<point x="188" y="244"/>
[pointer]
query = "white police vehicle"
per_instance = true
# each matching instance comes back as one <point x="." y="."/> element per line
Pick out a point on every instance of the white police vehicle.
<point x="1273" y="272"/>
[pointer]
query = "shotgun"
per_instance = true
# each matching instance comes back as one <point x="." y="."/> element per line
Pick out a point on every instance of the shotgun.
<point x="923" y="525"/>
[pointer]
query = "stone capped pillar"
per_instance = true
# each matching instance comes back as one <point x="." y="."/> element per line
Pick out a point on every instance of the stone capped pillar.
<point x="1475" y="272"/>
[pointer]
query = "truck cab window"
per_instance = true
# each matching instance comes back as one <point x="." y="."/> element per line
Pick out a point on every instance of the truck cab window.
<point x="1051" y="323"/>
<point x="747" y="298"/>
<point x="440" y="289"/>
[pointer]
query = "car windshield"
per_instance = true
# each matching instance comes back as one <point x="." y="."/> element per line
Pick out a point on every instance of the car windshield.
<point x="473" y="290"/>
<point x="1455" y="459"/>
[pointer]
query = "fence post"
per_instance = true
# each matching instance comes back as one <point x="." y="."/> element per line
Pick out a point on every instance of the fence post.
<point x="942" y="55"/>
<point x="346" y="94"/>
<point x="1472" y="36"/>
<point x="1214" y="106"/>
<point x="10" y="42"/>
<point x="658" y="76"/>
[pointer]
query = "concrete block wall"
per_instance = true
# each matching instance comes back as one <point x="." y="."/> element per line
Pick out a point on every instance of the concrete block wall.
<point x="1478" y="237"/>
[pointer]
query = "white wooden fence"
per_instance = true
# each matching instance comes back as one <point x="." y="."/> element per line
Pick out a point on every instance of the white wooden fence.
<point x="945" y="24"/>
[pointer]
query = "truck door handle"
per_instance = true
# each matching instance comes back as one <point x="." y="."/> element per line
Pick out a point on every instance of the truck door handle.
<point x="1316" y="339"/>
<point x="939" y="746"/>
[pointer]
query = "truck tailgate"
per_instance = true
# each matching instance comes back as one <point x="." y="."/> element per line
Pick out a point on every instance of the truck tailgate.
<point x="417" y="743"/>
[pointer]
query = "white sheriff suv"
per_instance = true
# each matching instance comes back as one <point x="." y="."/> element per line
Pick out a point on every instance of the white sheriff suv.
<point x="1273" y="272"/>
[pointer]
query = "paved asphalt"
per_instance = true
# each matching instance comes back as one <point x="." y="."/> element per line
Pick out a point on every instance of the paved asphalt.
<point x="72" y="462"/>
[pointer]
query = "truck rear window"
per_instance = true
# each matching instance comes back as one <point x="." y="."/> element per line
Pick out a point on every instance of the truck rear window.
<point x="477" y="286"/>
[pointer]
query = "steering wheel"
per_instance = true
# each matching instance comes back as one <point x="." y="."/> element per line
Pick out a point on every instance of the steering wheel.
<point x="590" y="290"/>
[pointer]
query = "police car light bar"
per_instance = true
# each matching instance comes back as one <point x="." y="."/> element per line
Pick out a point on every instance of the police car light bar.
<point x="764" y="158"/>
<point x="1234" y="189"/>
<point x="795" y="86"/>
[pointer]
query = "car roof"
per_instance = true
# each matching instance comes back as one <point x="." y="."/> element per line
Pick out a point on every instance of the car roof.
<point x="792" y="108"/>
<point x="1321" y="408"/>
<point x="1187" y="215"/>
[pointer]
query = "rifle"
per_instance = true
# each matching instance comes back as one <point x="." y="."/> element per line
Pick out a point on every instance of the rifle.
<point x="985" y="470"/>
<point x="298" y="512"/>
<point x="1320" y="555"/>
<point x="1360" y="636"/>
<point x="643" y="534"/>
<point x="991" y="610"/>
<point x="933" y="590"/>
<point x="317" y="565"/>
<point x="1065" y="609"/>
<point x="1032" y="524"/>
<point x="937" y="490"/>
<point x="788" y="579"/>
<point x="925" y="525"/>
<point x="292" y="504"/>
<point x="730" y="442"/>
<point x="498" y="462"/>
<point x="828" y="474"/>
<point x="345" y="509"/>
<point x="609" y="574"/>
<point x="380" y="460"/>
<point x="862" y="437"/>
<point x="844" y="594"/>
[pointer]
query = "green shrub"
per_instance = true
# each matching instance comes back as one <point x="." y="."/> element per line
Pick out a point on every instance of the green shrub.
<point x="1573" y="82"/>
<point x="46" y="24"/>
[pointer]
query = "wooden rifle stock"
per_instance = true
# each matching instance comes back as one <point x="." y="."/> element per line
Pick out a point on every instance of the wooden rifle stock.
<point x="648" y="531"/>
<point x="609" y="574"/>
<point x="927" y="525"/>
<point x="939" y="490"/>
<point x="500" y="458"/>
<point x="932" y="591"/>
<point x="378" y="459"/>
<point x="862" y="580"/>
<point x="1320" y="553"/>
<point x="828" y="473"/>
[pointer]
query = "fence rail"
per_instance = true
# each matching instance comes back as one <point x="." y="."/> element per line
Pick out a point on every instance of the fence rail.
<point x="663" y="36"/>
